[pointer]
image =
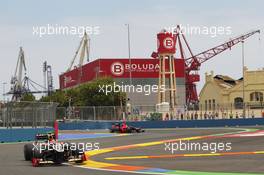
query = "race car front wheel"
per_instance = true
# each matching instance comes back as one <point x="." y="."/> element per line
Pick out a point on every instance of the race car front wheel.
<point x="28" y="151"/>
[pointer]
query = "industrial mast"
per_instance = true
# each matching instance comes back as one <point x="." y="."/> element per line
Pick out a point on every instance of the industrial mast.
<point x="166" y="91"/>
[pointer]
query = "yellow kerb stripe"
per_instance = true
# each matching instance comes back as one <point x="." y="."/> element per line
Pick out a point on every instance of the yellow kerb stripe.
<point x="94" y="164"/>
<point x="99" y="151"/>
<point x="128" y="157"/>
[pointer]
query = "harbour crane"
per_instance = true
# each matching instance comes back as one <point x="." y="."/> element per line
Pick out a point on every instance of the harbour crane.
<point x="83" y="48"/>
<point x="17" y="85"/>
<point x="21" y="84"/>
<point x="194" y="62"/>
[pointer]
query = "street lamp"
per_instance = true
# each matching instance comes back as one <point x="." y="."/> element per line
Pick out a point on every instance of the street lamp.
<point x="243" y="85"/>
<point x="128" y="44"/>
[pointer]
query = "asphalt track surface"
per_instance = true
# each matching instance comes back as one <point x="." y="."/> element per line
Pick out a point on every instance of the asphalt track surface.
<point x="132" y="153"/>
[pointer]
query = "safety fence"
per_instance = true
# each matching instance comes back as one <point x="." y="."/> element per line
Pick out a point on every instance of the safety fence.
<point x="27" y="114"/>
<point x="37" y="114"/>
<point x="148" y="112"/>
<point x="225" y="111"/>
<point x="90" y="113"/>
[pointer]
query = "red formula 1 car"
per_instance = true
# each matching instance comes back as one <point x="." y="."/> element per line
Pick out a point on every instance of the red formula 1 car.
<point x="46" y="149"/>
<point x="122" y="127"/>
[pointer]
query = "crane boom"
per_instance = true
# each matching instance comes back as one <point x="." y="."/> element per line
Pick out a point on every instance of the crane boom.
<point x="20" y="66"/>
<point x="84" y="47"/>
<point x="193" y="62"/>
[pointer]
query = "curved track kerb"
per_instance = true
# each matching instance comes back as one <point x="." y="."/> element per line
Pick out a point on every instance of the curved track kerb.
<point x="92" y="163"/>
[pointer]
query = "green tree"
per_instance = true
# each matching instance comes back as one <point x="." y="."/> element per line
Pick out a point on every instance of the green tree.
<point x="28" y="97"/>
<point x="58" y="96"/>
<point x="88" y="94"/>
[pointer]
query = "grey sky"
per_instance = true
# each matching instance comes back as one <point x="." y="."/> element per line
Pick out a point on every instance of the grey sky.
<point x="146" y="18"/>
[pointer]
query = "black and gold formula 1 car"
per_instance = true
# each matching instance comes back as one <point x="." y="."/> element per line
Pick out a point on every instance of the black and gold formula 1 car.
<point x="46" y="149"/>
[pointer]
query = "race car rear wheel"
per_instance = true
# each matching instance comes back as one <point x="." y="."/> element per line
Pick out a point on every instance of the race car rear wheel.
<point x="28" y="151"/>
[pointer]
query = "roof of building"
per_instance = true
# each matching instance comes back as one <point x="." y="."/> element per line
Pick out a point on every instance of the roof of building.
<point x="225" y="81"/>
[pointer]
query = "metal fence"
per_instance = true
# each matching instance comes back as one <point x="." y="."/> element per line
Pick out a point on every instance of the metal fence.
<point x="105" y="112"/>
<point x="226" y="111"/>
<point x="91" y="113"/>
<point x="27" y="114"/>
<point x="201" y="112"/>
<point x="34" y="114"/>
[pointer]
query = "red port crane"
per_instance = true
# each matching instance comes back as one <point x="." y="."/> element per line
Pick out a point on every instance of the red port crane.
<point x="193" y="63"/>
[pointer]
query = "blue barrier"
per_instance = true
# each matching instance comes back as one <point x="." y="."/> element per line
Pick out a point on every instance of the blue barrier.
<point x="21" y="134"/>
<point x="84" y="125"/>
<point x="67" y="136"/>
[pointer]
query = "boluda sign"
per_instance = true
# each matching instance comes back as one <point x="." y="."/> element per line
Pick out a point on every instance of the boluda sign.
<point x="117" y="68"/>
<point x="140" y="68"/>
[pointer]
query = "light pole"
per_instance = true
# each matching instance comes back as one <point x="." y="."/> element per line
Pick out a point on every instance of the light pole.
<point x="243" y="85"/>
<point x="4" y="91"/>
<point x="128" y="44"/>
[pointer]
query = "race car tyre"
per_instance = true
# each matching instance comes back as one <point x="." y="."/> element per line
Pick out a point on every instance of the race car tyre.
<point x="28" y="151"/>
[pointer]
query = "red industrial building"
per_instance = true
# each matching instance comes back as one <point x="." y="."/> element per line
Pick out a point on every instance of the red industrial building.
<point x="144" y="71"/>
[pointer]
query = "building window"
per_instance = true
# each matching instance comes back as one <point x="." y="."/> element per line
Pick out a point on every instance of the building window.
<point x="256" y="96"/>
<point x="238" y="103"/>
<point x="210" y="105"/>
<point x="214" y="104"/>
<point x="251" y="96"/>
<point x="205" y="103"/>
